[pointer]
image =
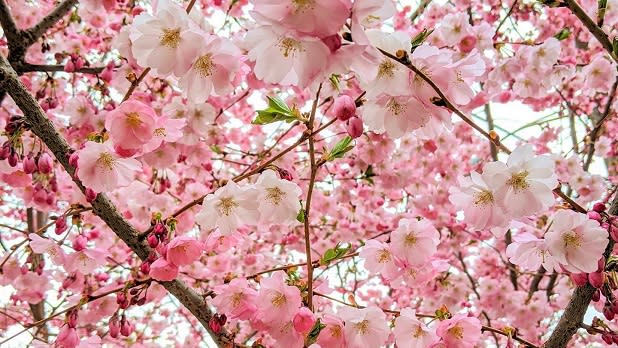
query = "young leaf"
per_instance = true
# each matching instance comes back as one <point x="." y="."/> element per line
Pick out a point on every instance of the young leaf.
<point x="340" y="149"/>
<point x="277" y="111"/>
<point x="420" y="38"/>
<point x="301" y="215"/>
<point x="564" y="33"/>
<point x="334" y="253"/>
<point x="312" y="336"/>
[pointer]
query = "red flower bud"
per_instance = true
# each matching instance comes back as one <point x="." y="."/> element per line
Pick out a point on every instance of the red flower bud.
<point x="90" y="195"/>
<point x="73" y="159"/>
<point x="344" y="107"/>
<point x="61" y="224"/>
<point x="355" y="127"/>
<point x="580" y="279"/>
<point x="29" y="165"/>
<point x="593" y="215"/>
<point x="153" y="241"/>
<point x="79" y="243"/>
<point x="45" y="163"/>
<point x="596" y="279"/>
<point x="599" y="207"/>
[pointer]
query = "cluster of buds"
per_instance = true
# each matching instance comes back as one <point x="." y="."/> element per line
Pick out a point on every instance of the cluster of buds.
<point x="216" y="322"/>
<point x="122" y="326"/>
<point x="344" y="108"/>
<point x="74" y="63"/>
<point x="608" y="335"/>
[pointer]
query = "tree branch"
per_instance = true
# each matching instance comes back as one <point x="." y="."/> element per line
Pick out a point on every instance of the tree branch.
<point x="573" y="315"/>
<point x="8" y="24"/>
<point x="102" y="206"/>
<point x="31" y="35"/>
<point x="594" y="29"/>
<point x="27" y="67"/>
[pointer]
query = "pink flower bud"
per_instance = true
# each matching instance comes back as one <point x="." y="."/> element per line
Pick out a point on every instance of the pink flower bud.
<point x="596" y="279"/>
<point x="114" y="326"/>
<point x="607" y="338"/>
<point x="159" y="229"/>
<point x="125" y="328"/>
<point x="599" y="207"/>
<point x="607" y="312"/>
<point x="79" y="243"/>
<point x="153" y="241"/>
<point x="101" y="277"/>
<point x="45" y="163"/>
<point x="355" y="127"/>
<point x="145" y="268"/>
<point x="90" y="195"/>
<point x="13" y="159"/>
<point x="29" y="165"/>
<point x="61" y="225"/>
<point x="79" y="63"/>
<point x="69" y="66"/>
<point x="593" y="215"/>
<point x="214" y="325"/>
<point x="72" y="319"/>
<point x="430" y="146"/>
<point x="344" y="107"/>
<point x="580" y="279"/>
<point x="303" y="320"/>
<point x="601" y="264"/>
<point x="73" y="159"/>
<point x="67" y="337"/>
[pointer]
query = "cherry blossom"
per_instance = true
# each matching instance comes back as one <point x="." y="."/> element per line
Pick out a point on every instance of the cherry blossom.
<point x="101" y="169"/>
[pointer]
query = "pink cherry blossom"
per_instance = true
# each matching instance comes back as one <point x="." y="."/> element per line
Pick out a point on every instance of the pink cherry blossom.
<point x="409" y="332"/>
<point x="460" y="331"/>
<point x="131" y="124"/>
<point x="183" y="250"/>
<point x="276" y="301"/>
<point x="279" y="199"/>
<point x="576" y="241"/>
<point x="229" y="207"/>
<point x="163" y="270"/>
<point x="478" y="202"/>
<point x="364" y="328"/>
<point x="102" y="170"/>
<point x="236" y="299"/>
<point x="415" y="241"/>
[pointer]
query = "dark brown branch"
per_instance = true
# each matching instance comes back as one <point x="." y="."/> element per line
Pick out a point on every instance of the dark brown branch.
<point x="589" y="23"/>
<point x="8" y="24"/>
<point x="598" y="124"/>
<point x="42" y="127"/>
<point x="31" y="35"/>
<point x="573" y="315"/>
<point x="27" y="67"/>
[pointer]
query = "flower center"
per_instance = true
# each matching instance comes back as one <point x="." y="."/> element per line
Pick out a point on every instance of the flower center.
<point x="278" y="300"/>
<point x="302" y="5"/>
<point x="395" y="108"/>
<point x="571" y="239"/>
<point x="82" y="110"/>
<point x="362" y="327"/>
<point x="410" y="239"/>
<point x="106" y="160"/>
<point x="386" y="68"/>
<point x="133" y="119"/>
<point x="456" y="331"/>
<point x="419" y="332"/>
<point x="204" y="65"/>
<point x="484" y="197"/>
<point x="289" y="46"/>
<point x="384" y="256"/>
<point x="274" y="195"/>
<point x="335" y="331"/>
<point x="226" y="205"/>
<point x="170" y="38"/>
<point x="160" y="132"/>
<point x="519" y="181"/>
<point x="236" y="298"/>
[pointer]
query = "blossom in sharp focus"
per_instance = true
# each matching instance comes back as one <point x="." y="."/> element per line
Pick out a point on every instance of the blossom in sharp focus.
<point x="212" y="70"/>
<point x="102" y="170"/>
<point x="523" y="185"/>
<point x="415" y="241"/>
<point x="236" y="299"/>
<point x="478" y="202"/>
<point x="530" y="252"/>
<point x="229" y="207"/>
<point x="183" y="250"/>
<point x="576" y="241"/>
<point x="277" y="302"/>
<point x="284" y="57"/>
<point x="394" y="115"/>
<point x="278" y="199"/>
<point x="410" y="332"/>
<point x="131" y="124"/>
<point x="164" y="42"/>
<point x="460" y="331"/>
<point x="364" y="328"/>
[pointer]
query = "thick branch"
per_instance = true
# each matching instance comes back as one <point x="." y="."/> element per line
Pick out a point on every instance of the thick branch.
<point x="8" y="24"/>
<point x="31" y="35"/>
<point x="102" y="206"/>
<point x="573" y="315"/>
<point x="589" y="23"/>
<point x="27" y="67"/>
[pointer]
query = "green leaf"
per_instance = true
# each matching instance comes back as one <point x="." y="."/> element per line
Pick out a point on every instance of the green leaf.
<point x="301" y="216"/>
<point x="312" y="336"/>
<point x="216" y="149"/>
<point x="277" y="111"/>
<point x="340" y="148"/>
<point x="564" y="33"/>
<point x="334" y="253"/>
<point x="334" y="81"/>
<point x="420" y="38"/>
